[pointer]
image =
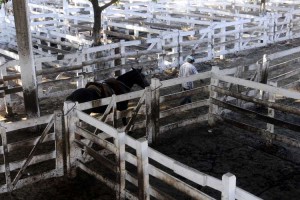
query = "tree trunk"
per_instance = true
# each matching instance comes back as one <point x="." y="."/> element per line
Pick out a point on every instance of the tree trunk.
<point x="97" y="23"/>
<point x="263" y="6"/>
<point x="97" y="19"/>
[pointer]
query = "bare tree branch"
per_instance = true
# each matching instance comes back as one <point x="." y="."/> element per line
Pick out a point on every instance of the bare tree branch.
<point x="108" y="4"/>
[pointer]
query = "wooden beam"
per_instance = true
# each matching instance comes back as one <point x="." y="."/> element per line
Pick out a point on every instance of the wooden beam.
<point x="124" y="36"/>
<point x="258" y="86"/>
<point x="277" y="106"/>
<point x="181" y="94"/>
<point x="257" y="116"/>
<point x="262" y="132"/>
<point x="52" y="49"/>
<point x="23" y="34"/>
<point x="101" y="159"/>
<point x="178" y="184"/>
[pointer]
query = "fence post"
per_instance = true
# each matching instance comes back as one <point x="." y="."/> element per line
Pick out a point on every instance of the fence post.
<point x="262" y="7"/>
<point x="175" y="49"/>
<point x="120" y="143"/>
<point x="180" y="49"/>
<point x="70" y="125"/>
<point x="229" y="186"/>
<point x="265" y="66"/>
<point x="152" y="110"/>
<point x="223" y="40"/>
<point x="262" y="74"/>
<point x="114" y="111"/>
<point x="149" y="128"/>
<point x="271" y="113"/>
<point x="6" y="163"/>
<point x="237" y="37"/>
<point x="59" y="142"/>
<point x="2" y="94"/>
<point x="122" y="52"/>
<point x="142" y="167"/>
<point x="210" y="48"/>
<point x="213" y="109"/>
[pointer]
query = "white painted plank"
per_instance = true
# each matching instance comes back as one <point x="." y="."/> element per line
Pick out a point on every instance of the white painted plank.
<point x="259" y="86"/>
<point x="96" y="123"/>
<point x="27" y="123"/>
<point x="195" y="77"/>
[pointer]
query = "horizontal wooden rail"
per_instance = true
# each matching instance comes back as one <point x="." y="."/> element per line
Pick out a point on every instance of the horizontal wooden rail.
<point x="108" y="182"/>
<point x="198" y="177"/>
<point x="106" y="101"/>
<point x="182" y="108"/>
<point x="181" y="94"/>
<point x="32" y="179"/>
<point x="169" y="179"/>
<point x="262" y="132"/>
<point x="25" y="143"/>
<point x="183" y="123"/>
<point x="96" y="123"/>
<point x="277" y="106"/>
<point x="9" y="127"/>
<point x="103" y="160"/>
<point x="35" y="160"/>
<point x="258" y="86"/>
<point x="178" y="184"/>
<point x="255" y="115"/>
<point x="195" y="77"/>
<point x="97" y="139"/>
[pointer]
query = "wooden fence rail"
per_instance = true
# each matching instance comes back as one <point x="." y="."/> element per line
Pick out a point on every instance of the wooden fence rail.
<point x="167" y="47"/>
<point x="140" y="178"/>
<point x="24" y="177"/>
<point x="80" y="131"/>
<point x="269" y="133"/>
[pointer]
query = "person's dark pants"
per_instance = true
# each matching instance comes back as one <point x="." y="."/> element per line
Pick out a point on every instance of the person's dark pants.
<point x="187" y="99"/>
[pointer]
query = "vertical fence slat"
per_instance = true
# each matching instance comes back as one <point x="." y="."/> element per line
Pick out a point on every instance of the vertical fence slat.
<point x="121" y="170"/>
<point x="271" y="113"/>
<point x="149" y="129"/>
<point x="70" y="126"/>
<point x="229" y="186"/>
<point x="213" y="109"/>
<point x="6" y="162"/>
<point x="142" y="167"/>
<point x="152" y="110"/>
<point x="59" y="142"/>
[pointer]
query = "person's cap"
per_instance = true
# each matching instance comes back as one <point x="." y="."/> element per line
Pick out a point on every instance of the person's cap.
<point x="190" y="59"/>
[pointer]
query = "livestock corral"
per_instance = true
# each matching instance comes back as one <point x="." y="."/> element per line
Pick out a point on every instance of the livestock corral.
<point x="238" y="139"/>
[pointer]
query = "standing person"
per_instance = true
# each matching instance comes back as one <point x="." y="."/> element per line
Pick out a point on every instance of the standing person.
<point x="187" y="69"/>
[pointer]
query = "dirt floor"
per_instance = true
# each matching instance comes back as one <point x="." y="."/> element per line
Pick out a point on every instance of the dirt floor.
<point x="270" y="173"/>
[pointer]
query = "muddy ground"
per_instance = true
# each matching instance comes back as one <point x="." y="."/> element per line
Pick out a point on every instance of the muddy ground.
<point x="268" y="172"/>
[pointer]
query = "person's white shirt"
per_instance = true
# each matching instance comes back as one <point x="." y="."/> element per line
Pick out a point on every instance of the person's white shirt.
<point x="187" y="69"/>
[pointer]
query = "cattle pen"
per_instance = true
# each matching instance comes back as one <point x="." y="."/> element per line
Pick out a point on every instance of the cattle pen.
<point x="259" y="99"/>
<point x="135" y="33"/>
<point x="82" y="131"/>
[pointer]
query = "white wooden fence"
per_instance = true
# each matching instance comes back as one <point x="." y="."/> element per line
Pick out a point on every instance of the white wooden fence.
<point x="213" y="32"/>
<point x="153" y="121"/>
<point x="84" y="130"/>
<point x="266" y="96"/>
<point x="140" y="178"/>
<point x="17" y="160"/>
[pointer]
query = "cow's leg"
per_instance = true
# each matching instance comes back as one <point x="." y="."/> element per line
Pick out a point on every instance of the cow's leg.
<point x="124" y="121"/>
